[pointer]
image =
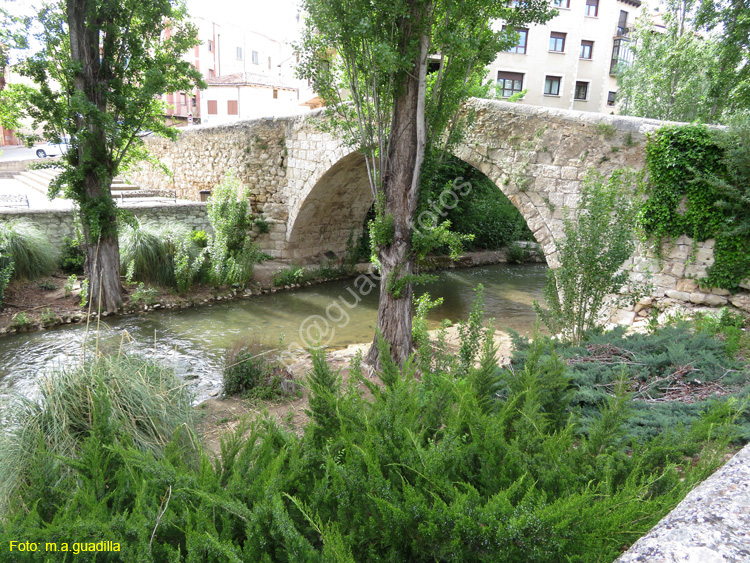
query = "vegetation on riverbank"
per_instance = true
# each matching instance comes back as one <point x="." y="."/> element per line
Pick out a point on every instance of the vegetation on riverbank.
<point x="445" y="459"/>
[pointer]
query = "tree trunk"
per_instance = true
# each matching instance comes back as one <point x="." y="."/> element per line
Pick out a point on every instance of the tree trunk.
<point x="103" y="272"/>
<point x="400" y="183"/>
<point x="93" y="160"/>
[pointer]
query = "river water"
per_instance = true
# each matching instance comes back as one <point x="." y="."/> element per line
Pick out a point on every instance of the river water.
<point x="193" y="341"/>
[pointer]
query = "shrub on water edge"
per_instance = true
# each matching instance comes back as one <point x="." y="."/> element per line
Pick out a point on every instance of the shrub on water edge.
<point x="251" y="369"/>
<point x="28" y="247"/>
<point x="143" y="402"/>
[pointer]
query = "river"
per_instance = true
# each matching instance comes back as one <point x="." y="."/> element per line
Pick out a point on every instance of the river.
<point x="193" y="341"/>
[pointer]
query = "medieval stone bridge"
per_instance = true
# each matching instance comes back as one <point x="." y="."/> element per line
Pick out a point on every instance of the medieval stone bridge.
<point x="314" y="189"/>
<point x="314" y="192"/>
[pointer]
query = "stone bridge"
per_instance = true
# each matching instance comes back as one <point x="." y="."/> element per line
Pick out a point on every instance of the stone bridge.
<point x="314" y="192"/>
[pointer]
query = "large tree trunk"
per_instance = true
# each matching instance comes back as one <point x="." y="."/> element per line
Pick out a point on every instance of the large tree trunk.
<point x="407" y="146"/>
<point x="94" y="163"/>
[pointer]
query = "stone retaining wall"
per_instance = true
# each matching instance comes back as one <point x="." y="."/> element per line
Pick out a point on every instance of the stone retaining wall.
<point x="711" y="525"/>
<point x="59" y="224"/>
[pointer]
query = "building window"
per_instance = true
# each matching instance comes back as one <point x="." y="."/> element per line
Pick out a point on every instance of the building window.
<point x="520" y="47"/>
<point x="557" y="42"/>
<point x="561" y="3"/>
<point x="275" y="94"/>
<point x="239" y="53"/>
<point x="193" y="101"/>
<point x="622" y="24"/>
<point x="621" y="54"/>
<point x="255" y="57"/>
<point x="210" y="46"/>
<point x="183" y="99"/>
<point x="587" y="47"/>
<point x="210" y="73"/>
<point x="582" y="91"/>
<point x="269" y="63"/>
<point x="592" y="8"/>
<point x="552" y="86"/>
<point x="611" y="98"/>
<point x="212" y="107"/>
<point x="509" y="83"/>
<point x="232" y="107"/>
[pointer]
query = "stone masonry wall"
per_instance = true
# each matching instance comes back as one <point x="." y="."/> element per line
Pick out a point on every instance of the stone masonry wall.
<point x="314" y="191"/>
<point x="59" y="224"/>
<point x="200" y="156"/>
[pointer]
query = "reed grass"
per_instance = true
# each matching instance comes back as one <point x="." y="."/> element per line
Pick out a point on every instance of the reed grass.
<point x="30" y="249"/>
<point x="144" y="401"/>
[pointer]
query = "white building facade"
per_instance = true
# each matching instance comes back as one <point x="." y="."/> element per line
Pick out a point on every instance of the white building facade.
<point x="570" y="62"/>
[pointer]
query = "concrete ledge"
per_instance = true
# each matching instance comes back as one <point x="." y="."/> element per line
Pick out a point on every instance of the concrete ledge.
<point x="712" y="524"/>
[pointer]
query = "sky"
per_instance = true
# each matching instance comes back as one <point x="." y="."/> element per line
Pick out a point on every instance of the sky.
<point x="274" y="18"/>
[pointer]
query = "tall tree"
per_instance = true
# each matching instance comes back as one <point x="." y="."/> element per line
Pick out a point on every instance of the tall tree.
<point x="730" y="20"/>
<point x="369" y="60"/>
<point x="673" y="69"/>
<point x="103" y="66"/>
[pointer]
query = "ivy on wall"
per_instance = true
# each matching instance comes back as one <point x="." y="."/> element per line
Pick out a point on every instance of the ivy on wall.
<point x="692" y="191"/>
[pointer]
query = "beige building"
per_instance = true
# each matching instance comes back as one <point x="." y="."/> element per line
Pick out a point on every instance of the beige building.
<point x="570" y="62"/>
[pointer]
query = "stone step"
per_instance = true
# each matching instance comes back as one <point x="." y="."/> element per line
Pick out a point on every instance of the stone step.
<point x="39" y="180"/>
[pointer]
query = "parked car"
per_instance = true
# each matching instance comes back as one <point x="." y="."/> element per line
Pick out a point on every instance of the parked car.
<point x="54" y="149"/>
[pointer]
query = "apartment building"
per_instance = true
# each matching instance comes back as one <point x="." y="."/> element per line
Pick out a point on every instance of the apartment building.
<point x="570" y="62"/>
<point x="249" y="75"/>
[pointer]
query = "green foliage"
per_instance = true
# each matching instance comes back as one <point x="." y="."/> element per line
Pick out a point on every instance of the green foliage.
<point x="596" y="243"/>
<point x="262" y="225"/>
<point x="144" y="294"/>
<point x="20" y="320"/>
<point x="49" y="318"/>
<point x="199" y="238"/>
<point x="73" y="255"/>
<point x="698" y="187"/>
<point x="673" y="376"/>
<point x="673" y="71"/>
<point x="487" y="467"/>
<point x="231" y="253"/>
<point x="251" y="370"/>
<point x="47" y="285"/>
<point x="296" y="274"/>
<point x="69" y="283"/>
<point x="605" y="129"/>
<point x="164" y="255"/>
<point x="45" y="450"/>
<point x="477" y="208"/>
<point x="517" y="254"/>
<point x="29" y="249"/>
<point x="422" y="306"/>
<point x="84" y="295"/>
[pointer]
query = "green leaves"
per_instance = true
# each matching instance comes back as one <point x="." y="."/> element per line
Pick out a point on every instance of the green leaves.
<point x="598" y="240"/>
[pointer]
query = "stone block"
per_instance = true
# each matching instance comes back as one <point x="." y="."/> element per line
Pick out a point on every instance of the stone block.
<point x="678" y="295"/>
<point x="716" y="300"/>
<point x="698" y="298"/>
<point x="569" y="173"/>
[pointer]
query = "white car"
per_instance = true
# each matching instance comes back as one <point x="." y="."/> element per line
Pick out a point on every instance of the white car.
<point x="54" y="149"/>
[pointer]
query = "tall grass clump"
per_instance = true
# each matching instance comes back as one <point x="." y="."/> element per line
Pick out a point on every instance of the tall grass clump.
<point x="164" y="255"/>
<point x="29" y="249"/>
<point x="136" y="399"/>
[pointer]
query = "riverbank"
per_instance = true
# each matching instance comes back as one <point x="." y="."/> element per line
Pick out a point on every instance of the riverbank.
<point x="53" y="301"/>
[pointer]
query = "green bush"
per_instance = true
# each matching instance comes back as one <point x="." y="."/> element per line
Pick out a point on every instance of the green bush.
<point x="487" y="465"/>
<point x="164" y="255"/>
<point x="251" y="369"/>
<point x="29" y="249"/>
<point x="231" y="252"/>
<point x="597" y="242"/>
<point x="73" y="256"/>
<point x="140" y="401"/>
